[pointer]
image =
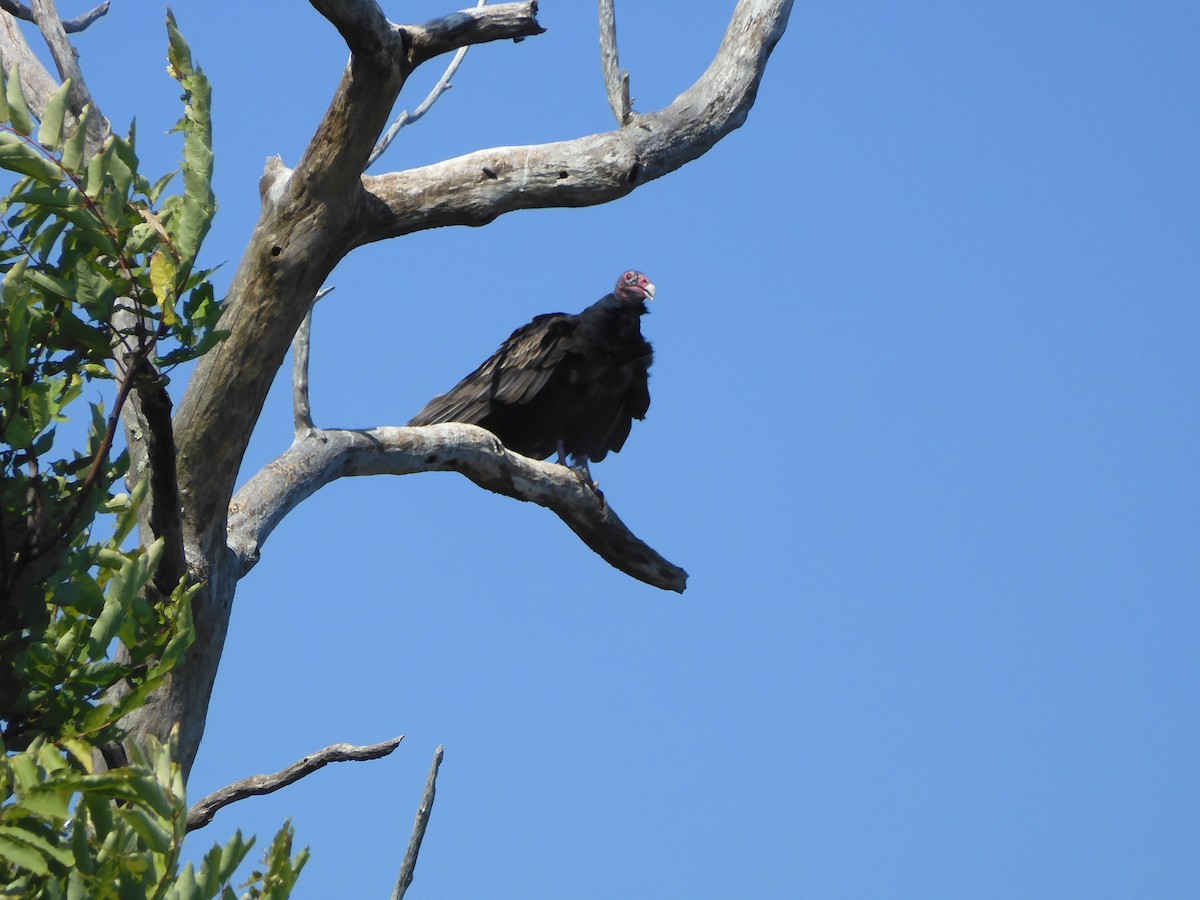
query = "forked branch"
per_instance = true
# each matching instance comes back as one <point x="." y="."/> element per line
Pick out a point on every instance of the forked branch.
<point x="408" y="118"/>
<point x="305" y="230"/>
<point x="71" y="26"/>
<point x="476" y="188"/>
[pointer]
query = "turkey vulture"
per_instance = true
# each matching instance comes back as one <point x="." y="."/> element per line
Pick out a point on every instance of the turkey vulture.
<point x="571" y="384"/>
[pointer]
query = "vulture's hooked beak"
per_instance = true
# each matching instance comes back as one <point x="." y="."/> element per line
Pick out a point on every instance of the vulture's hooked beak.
<point x="649" y="289"/>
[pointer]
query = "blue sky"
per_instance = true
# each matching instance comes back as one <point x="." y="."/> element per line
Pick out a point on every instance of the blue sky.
<point x="924" y="433"/>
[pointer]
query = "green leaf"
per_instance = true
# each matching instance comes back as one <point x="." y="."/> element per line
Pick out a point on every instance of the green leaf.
<point x="22" y="855"/>
<point x="76" y="888"/>
<point x="18" y="434"/>
<point x="50" y="131"/>
<point x="186" y="887"/>
<point x="51" y="284"/>
<point x="122" y="163"/>
<point x="97" y="166"/>
<point x="5" y="113"/>
<point x="72" y="157"/>
<point x="79" y="335"/>
<point x="163" y="274"/>
<point x="112" y="207"/>
<point x="17" y="154"/>
<point x="80" y="750"/>
<point x="148" y="828"/>
<point x="49" y="850"/>
<point x="222" y="862"/>
<point x="80" y="833"/>
<point x="185" y="629"/>
<point x="190" y="228"/>
<point x="159" y="186"/>
<point x="37" y="400"/>
<point x="199" y="205"/>
<point x="153" y="795"/>
<point x="57" y="195"/>
<point x="107" y="624"/>
<point x="95" y="291"/>
<point x="50" y="759"/>
<point x="100" y="812"/>
<point x="197" y="168"/>
<point x="18" y="109"/>
<point x="179" y="55"/>
<point x="127" y="515"/>
<point x="48" y="802"/>
<point x="24" y="770"/>
<point x="282" y="870"/>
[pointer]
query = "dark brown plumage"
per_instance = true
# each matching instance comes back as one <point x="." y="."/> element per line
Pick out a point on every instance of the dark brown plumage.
<point x="566" y="384"/>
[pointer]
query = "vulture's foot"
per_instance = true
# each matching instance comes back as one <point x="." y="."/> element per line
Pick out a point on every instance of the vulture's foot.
<point x="581" y="470"/>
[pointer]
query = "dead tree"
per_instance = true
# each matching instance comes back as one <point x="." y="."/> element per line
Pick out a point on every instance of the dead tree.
<point x="316" y="212"/>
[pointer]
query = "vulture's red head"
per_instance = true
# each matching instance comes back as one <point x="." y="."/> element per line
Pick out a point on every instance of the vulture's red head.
<point x="633" y="287"/>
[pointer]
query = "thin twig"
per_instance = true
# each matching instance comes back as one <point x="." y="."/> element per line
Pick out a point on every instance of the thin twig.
<point x="202" y="813"/>
<point x="301" y="409"/>
<point x="71" y="26"/>
<point x="408" y="867"/>
<point x="406" y="117"/>
<point x="616" y="79"/>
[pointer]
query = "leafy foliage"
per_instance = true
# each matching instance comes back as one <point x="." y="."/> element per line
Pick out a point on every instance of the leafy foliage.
<point x="72" y="832"/>
<point x="99" y="282"/>
<point x="99" y="285"/>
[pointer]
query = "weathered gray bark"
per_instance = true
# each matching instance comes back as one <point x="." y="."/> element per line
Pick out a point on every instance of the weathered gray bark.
<point x="324" y="455"/>
<point x="202" y="811"/>
<point x="312" y="216"/>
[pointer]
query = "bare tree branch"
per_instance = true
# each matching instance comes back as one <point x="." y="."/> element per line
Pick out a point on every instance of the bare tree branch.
<point x="302" y="234"/>
<point x="71" y="26"/>
<point x="616" y="79"/>
<point x="323" y="456"/>
<point x="257" y="785"/>
<point x="313" y="215"/>
<point x="476" y="188"/>
<point x="301" y="408"/>
<point x="409" y="866"/>
<point x="473" y="26"/>
<point x="366" y="30"/>
<point x="407" y="118"/>
<point x="382" y="57"/>
<point x="302" y="421"/>
<point x="150" y="439"/>
<point x="361" y="23"/>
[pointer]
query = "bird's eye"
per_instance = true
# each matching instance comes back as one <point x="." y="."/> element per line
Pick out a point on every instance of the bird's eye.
<point x="630" y="277"/>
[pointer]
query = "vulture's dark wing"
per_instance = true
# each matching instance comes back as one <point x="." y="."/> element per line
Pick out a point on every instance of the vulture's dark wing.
<point x="512" y="376"/>
<point x="632" y="404"/>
